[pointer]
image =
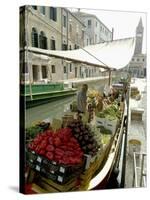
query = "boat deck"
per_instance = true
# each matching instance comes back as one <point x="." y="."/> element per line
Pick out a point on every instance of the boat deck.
<point x="136" y="130"/>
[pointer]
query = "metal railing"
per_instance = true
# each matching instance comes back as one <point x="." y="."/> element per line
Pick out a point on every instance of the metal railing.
<point x="139" y="173"/>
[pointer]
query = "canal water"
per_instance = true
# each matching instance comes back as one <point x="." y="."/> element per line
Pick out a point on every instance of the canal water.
<point x="56" y="109"/>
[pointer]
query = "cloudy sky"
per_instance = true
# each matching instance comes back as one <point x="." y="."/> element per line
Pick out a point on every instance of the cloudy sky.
<point x="124" y="23"/>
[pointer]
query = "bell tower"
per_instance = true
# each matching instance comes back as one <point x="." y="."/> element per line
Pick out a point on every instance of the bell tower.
<point x="139" y="38"/>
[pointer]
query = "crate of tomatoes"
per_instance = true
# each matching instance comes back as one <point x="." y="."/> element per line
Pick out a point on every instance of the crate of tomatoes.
<point x="56" y="155"/>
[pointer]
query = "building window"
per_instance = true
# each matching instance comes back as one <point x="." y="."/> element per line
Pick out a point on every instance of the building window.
<point x="43" y="40"/>
<point x="70" y="47"/>
<point x="81" y="71"/>
<point x="53" y="13"/>
<point x="52" y="44"/>
<point x="96" y="23"/>
<point x="89" y="23"/>
<point x="132" y="59"/>
<point x="65" y="69"/>
<point x="34" y="36"/>
<point x="53" y="69"/>
<point x="44" y="71"/>
<point x="34" y="7"/>
<point x="70" y="67"/>
<point x="64" y="47"/>
<point x="64" y="21"/>
<point x="138" y="59"/>
<point x="87" y="41"/>
<point x="42" y="9"/>
<point x="143" y="60"/>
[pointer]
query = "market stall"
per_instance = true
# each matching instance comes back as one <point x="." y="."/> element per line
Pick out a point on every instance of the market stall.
<point x="79" y="151"/>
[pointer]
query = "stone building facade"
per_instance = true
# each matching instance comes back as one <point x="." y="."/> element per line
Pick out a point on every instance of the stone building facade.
<point x="55" y="28"/>
<point x="48" y="28"/>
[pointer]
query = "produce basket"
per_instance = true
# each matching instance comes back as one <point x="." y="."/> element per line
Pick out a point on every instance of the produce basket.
<point x="100" y="121"/>
<point x="111" y="125"/>
<point x="52" y="170"/>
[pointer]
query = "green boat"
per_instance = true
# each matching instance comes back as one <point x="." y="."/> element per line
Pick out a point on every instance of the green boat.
<point x="37" y="94"/>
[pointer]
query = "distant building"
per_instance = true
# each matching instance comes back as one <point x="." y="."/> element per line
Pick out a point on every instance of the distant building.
<point x="95" y="31"/>
<point x="137" y="66"/>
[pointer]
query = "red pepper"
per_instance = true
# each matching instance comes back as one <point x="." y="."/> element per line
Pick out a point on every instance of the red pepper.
<point x="59" y="152"/>
<point x="36" y="140"/>
<point x="50" y="148"/>
<point x="43" y="134"/>
<point x="49" y="132"/>
<point x="50" y="140"/>
<point x="49" y="155"/>
<point x="37" y="149"/>
<point x="32" y="146"/>
<point x="43" y="144"/>
<point x="57" y="141"/>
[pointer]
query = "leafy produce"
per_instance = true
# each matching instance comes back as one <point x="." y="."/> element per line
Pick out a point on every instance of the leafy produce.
<point x="105" y="131"/>
<point x="84" y="136"/>
<point x="36" y="129"/>
<point x="60" y="146"/>
<point x="32" y="132"/>
<point x="105" y="138"/>
<point x="111" y="112"/>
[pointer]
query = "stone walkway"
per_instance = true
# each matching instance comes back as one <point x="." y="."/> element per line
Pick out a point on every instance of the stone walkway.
<point x="137" y="130"/>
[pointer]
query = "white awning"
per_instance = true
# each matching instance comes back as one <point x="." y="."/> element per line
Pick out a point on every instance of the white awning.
<point x="115" y="54"/>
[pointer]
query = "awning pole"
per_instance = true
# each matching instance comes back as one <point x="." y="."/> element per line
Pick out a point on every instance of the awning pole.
<point x="109" y="80"/>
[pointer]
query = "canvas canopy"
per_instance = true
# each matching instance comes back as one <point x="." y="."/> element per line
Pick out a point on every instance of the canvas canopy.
<point x="107" y="55"/>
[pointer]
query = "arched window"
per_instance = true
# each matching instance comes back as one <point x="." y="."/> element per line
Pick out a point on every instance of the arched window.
<point x="34" y="36"/>
<point x="43" y="40"/>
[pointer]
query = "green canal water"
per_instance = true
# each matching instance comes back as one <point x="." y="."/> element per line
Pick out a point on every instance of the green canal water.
<point x="50" y="110"/>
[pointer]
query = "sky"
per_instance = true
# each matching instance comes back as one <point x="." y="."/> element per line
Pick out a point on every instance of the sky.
<point x="124" y="23"/>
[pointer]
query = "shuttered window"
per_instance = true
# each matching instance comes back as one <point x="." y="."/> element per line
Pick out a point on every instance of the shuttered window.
<point x="53" y="69"/>
<point x="52" y="43"/>
<point x="64" y="47"/>
<point x="44" y="71"/>
<point x="53" y="13"/>
<point x="43" y="40"/>
<point x="34" y="36"/>
<point x="42" y="10"/>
